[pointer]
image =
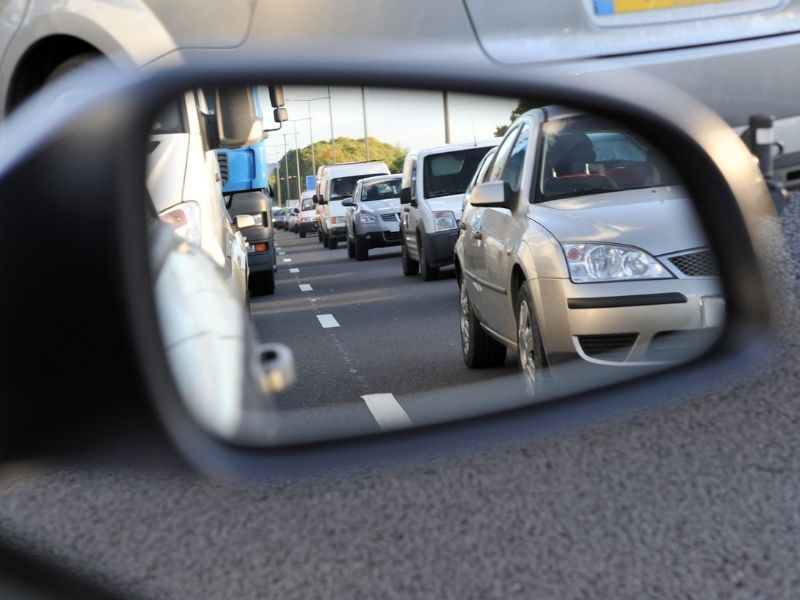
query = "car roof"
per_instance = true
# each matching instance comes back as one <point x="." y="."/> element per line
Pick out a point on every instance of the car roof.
<point x="461" y="146"/>
<point x="381" y="178"/>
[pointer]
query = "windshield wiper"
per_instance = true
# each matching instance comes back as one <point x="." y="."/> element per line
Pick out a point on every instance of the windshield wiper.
<point x="440" y="193"/>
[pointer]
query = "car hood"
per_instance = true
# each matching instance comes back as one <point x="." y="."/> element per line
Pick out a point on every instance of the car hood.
<point x="380" y="206"/>
<point x="454" y="202"/>
<point x="659" y="220"/>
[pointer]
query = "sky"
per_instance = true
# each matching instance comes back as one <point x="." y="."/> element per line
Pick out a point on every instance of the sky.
<point x="408" y="118"/>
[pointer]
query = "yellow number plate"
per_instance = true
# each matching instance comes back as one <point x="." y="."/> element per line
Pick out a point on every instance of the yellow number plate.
<point x="616" y="7"/>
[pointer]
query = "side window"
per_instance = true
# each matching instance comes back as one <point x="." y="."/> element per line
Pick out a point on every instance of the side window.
<point x="512" y="172"/>
<point x="502" y="155"/>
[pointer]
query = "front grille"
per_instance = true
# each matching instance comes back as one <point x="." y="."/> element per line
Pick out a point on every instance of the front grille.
<point x="612" y="346"/>
<point x="390" y="217"/>
<point x="696" y="264"/>
<point x="681" y="345"/>
<point x="222" y="157"/>
<point x="391" y="236"/>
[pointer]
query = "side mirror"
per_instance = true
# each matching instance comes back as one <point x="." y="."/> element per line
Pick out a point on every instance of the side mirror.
<point x="322" y="200"/>
<point x="238" y="125"/>
<point x="244" y="221"/>
<point x="280" y="115"/>
<point x="492" y="194"/>
<point x="405" y="195"/>
<point x="315" y="198"/>
<point x="348" y="202"/>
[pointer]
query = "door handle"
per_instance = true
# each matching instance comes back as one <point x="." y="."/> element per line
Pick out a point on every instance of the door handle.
<point x="477" y="235"/>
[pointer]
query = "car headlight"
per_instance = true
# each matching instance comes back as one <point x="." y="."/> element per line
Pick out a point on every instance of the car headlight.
<point x="444" y="220"/>
<point x="259" y="219"/>
<point x="610" y="262"/>
<point x="367" y="218"/>
<point x="185" y="219"/>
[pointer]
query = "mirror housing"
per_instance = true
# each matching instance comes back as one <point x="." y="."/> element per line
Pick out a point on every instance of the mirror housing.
<point x="280" y="115"/>
<point x="405" y="195"/>
<point x="492" y="194"/>
<point x="238" y="123"/>
<point x="322" y="200"/>
<point x="348" y="202"/>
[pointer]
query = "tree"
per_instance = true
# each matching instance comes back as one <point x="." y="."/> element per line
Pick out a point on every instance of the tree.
<point x="347" y="150"/>
<point x="522" y="107"/>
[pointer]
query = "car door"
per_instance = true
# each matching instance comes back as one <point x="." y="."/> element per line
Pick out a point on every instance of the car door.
<point x="501" y="233"/>
<point x="350" y="215"/>
<point x="471" y="218"/>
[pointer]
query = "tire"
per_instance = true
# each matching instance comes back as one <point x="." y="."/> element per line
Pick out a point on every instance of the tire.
<point x="362" y="249"/>
<point x="351" y="248"/>
<point x="324" y="239"/>
<point x="332" y="244"/>
<point x="302" y="234"/>
<point x="410" y="266"/>
<point x="261" y="284"/>
<point x="319" y="235"/>
<point x="426" y="272"/>
<point x="478" y="348"/>
<point x="532" y="358"/>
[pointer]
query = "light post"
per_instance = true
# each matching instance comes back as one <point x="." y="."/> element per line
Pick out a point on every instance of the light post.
<point x="364" y="113"/>
<point x="308" y="102"/>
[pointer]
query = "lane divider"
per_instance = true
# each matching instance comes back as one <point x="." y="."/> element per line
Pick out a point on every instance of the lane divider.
<point x="294" y="270"/>
<point x="304" y="287"/>
<point x="387" y="411"/>
<point x="287" y="260"/>
<point x="327" y="321"/>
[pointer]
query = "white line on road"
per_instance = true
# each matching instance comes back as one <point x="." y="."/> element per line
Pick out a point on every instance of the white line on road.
<point x="304" y="287"/>
<point x="294" y="270"/>
<point x="281" y="253"/>
<point x="387" y="411"/>
<point x="287" y="260"/>
<point x="327" y="321"/>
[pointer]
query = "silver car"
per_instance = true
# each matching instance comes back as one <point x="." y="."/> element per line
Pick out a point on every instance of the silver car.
<point x="373" y="215"/>
<point x="579" y="243"/>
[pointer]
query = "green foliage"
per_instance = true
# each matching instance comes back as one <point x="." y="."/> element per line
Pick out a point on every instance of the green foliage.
<point x="523" y="107"/>
<point x="347" y="150"/>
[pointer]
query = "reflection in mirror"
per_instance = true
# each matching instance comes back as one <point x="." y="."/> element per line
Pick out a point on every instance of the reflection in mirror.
<point x="538" y="251"/>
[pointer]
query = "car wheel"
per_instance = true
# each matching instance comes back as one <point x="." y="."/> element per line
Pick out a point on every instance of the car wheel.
<point x="319" y="235"/>
<point x="478" y="347"/>
<point x="351" y="248"/>
<point x="410" y="266"/>
<point x="261" y="284"/>
<point x="302" y="234"/>
<point x="529" y="344"/>
<point x="426" y="272"/>
<point x="332" y="243"/>
<point x="324" y="239"/>
<point x="361" y="248"/>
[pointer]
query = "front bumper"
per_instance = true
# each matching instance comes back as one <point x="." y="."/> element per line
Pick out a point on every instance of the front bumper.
<point x="625" y="324"/>
<point x="337" y="231"/>
<point x="439" y="247"/>
<point x="307" y="227"/>
<point x="262" y="261"/>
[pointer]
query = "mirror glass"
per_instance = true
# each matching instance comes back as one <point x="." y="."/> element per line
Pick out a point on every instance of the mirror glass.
<point x="548" y="251"/>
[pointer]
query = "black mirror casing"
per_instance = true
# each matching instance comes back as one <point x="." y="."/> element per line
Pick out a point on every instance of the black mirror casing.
<point x="348" y="202"/>
<point x="405" y="195"/>
<point x="93" y="199"/>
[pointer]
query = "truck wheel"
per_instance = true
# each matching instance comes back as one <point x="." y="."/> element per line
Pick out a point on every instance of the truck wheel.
<point x="362" y="249"/>
<point x="426" y="272"/>
<point x="332" y="243"/>
<point x="261" y="284"/>
<point x="351" y="248"/>
<point x="532" y="361"/>
<point x="478" y="348"/>
<point x="410" y="266"/>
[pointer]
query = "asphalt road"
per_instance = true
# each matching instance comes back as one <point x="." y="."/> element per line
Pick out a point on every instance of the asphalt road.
<point x="360" y="328"/>
<point x="698" y="500"/>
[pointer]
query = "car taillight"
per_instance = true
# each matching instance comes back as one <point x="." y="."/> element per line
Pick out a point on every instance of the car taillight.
<point x="258" y="248"/>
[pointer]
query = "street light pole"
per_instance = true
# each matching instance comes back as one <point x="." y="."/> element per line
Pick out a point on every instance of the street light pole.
<point x="446" y="118"/>
<point x="364" y="113"/>
<point x="333" y="137"/>
<point x="297" y="160"/>
<point x="311" y="136"/>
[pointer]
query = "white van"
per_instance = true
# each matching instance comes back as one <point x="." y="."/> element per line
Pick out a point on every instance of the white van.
<point x="307" y="217"/>
<point x="432" y="190"/>
<point x="336" y="184"/>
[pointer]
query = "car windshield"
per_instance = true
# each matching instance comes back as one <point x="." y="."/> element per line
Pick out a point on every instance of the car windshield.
<point x="586" y="155"/>
<point x="449" y="173"/>
<point x="343" y="186"/>
<point x="308" y="204"/>
<point x="382" y="190"/>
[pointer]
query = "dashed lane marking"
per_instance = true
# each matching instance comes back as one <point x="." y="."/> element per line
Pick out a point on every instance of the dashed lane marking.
<point x="294" y="270"/>
<point x="304" y="287"/>
<point x="387" y="411"/>
<point x="327" y="321"/>
<point x="287" y="260"/>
